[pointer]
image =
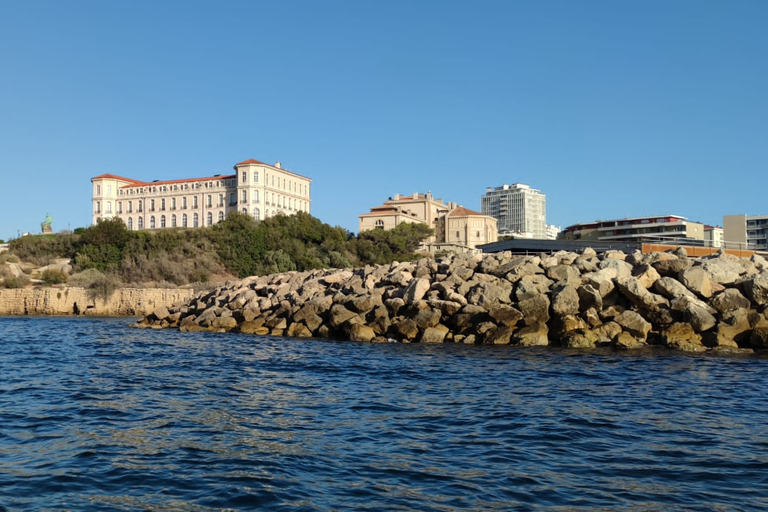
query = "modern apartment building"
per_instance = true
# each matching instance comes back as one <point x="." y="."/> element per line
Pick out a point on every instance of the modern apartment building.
<point x="257" y="189"/>
<point x="665" y="227"/>
<point x="456" y="228"/>
<point x="749" y="230"/>
<point x="519" y="210"/>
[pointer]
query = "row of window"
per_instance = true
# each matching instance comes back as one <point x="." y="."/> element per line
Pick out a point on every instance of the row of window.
<point x="289" y="185"/>
<point x="173" y="219"/>
<point x="171" y="188"/>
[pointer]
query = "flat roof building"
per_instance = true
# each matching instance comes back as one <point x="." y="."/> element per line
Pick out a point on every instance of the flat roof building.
<point x="750" y="230"/>
<point x="519" y="210"/>
<point x="669" y="227"/>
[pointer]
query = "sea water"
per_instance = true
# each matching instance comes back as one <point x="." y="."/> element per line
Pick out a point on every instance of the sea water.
<point x="97" y="416"/>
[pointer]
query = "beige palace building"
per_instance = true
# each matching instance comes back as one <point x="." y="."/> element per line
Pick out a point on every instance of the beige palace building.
<point x="456" y="228"/>
<point x="257" y="189"/>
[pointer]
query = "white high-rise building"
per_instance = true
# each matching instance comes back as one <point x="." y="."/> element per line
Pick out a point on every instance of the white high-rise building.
<point x="519" y="209"/>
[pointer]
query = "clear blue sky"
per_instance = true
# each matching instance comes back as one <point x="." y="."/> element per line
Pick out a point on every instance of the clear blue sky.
<point x="611" y="108"/>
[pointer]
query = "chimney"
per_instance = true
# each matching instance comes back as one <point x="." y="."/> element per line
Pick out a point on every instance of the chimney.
<point x="397" y="197"/>
<point x="278" y="165"/>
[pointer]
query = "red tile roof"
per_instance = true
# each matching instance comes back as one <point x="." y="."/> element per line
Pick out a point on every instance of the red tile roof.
<point x="250" y="161"/>
<point x="116" y="177"/>
<point x="460" y="211"/>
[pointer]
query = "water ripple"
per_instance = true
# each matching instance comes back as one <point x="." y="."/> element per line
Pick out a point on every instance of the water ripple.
<point x="96" y="416"/>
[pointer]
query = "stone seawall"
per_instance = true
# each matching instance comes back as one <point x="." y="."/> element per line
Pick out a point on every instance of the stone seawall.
<point x="75" y="301"/>
<point x="576" y="300"/>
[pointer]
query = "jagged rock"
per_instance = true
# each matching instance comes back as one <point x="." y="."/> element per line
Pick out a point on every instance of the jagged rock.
<point x="579" y="339"/>
<point x="584" y="265"/>
<point x="427" y="318"/>
<point x="416" y="290"/>
<point x="589" y="298"/>
<point x="506" y="315"/>
<point x="672" y="288"/>
<point x="634" y="324"/>
<point x="339" y="314"/>
<point x="607" y="332"/>
<point x="535" y="335"/>
<point x="364" y="303"/>
<point x="759" y="338"/>
<point x="617" y="255"/>
<point x="646" y="275"/>
<point x="434" y="334"/>
<point x="406" y="328"/>
<point x="565" y="274"/>
<point x="619" y="267"/>
<point x="681" y="336"/>
<point x="729" y="300"/>
<point x="671" y="267"/>
<point x="532" y="285"/>
<point x="487" y="294"/>
<point x="631" y="288"/>
<point x="602" y="281"/>
<point x="360" y="332"/>
<point x="569" y="323"/>
<point x="735" y="327"/>
<point x="756" y="289"/>
<point x="499" y="335"/>
<point x="299" y="330"/>
<point x="591" y="317"/>
<point x="625" y="341"/>
<point x="723" y="271"/>
<point x="535" y="309"/>
<point x="698" y="316"/>
<point x="565" y="300"/>
<point x="696" y="280"/>
<point x="161" y="313"/>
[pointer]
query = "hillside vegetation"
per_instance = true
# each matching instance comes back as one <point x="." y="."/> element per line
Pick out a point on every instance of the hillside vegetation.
<point x="107" y="253"/>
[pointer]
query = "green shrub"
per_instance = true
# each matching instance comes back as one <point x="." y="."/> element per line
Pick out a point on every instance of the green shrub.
<point x="54" y="276"/>
<point x="85" y="278"/>
<point x="103" y="287"/>
<point x="8" y="257"/>
<point x="15" y="282"/>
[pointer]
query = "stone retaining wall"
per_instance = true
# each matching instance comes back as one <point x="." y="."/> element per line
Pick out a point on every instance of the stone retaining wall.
<point x="74" y="301"/>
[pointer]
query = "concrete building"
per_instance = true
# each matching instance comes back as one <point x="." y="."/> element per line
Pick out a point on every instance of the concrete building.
<point x="456" y="228"/>
<point x="749" y="230"/>
<point x="713" y="235"/>
<point x="519" y="210"/>
<point x="661" y="228"/>
<point x="257" y="189"/>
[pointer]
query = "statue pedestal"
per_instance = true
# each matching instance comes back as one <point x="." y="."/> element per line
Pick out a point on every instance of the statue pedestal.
<point x="47" y="230"/>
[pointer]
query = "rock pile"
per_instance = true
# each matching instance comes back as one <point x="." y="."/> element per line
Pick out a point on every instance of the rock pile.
<point x="578" y="300"/>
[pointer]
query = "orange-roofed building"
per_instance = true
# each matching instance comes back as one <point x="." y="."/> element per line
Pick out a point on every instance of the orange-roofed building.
<point x="447" y="219"/>
<point x="257" y="189"/>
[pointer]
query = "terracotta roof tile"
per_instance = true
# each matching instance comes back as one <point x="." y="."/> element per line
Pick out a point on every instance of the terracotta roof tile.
<point x="461" y="211"/>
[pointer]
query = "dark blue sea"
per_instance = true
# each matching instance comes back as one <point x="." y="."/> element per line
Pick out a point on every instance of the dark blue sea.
<point x="96" y="416"/>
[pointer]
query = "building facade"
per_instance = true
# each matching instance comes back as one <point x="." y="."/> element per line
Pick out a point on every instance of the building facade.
<point x="456" y="228"/>
<point x="257" y="189"/>
<point x="519" y="210"/>
<point x="666" y="227"/>
<point x="748" y="230"/>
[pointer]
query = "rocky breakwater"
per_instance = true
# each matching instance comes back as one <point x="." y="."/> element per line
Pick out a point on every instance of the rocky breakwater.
<point x="565" y="299"/>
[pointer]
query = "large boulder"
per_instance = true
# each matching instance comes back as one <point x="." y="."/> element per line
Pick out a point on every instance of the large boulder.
<point x="756" y="289"/>
<point x="631" y="288"/>
<point x="646" y="275"/>
<point x="681" y="336"/>
<point x="672" y="288"/>
<point x="535" y="309"/>
<point x="579" y="339"/>
<point x="634" y="324"/>
<point x="672" y="266"/>
<point x="565" y="300"/>
<point x="729" y="300"/>
<point x="697" y="280"/>
<point x="532" y="285"/>
<point x="489" y="294"/>
<point x="565" y="274"/>
<point x="535" y="335"/>
<point x="625" y="341"/>
<point x="416" y="290"/>
<point x="506" y="315"/>
<point x="723" y="271"/>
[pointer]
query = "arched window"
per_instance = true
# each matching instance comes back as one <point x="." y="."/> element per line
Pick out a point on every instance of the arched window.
<point x="130" y="224"/>
<point x="173" y="220"/>
<point x="140" y="209"/>
<point x="221" y="200"/>
<point x="379" y="224"/>
<point x="209" y="218"/>
<point x="173" y="203"/>
<point x="245" y="211"/>
<point x="195" y="220"/>
<point x="256" y="213"/>
<point x="184" y="220"/>
<point x="141" y="222"/>
<point x="152" y="222"/>
<point x="221" y="216"/>
<point x="162" y="221"/>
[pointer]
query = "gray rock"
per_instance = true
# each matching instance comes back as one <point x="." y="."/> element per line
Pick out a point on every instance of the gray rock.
<point x="634" y="324"/>
<point x="535" y="309"/>
<point x="729" y="300"/>
<point x="696" y="280"/>
<point x="565" y="300"/>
